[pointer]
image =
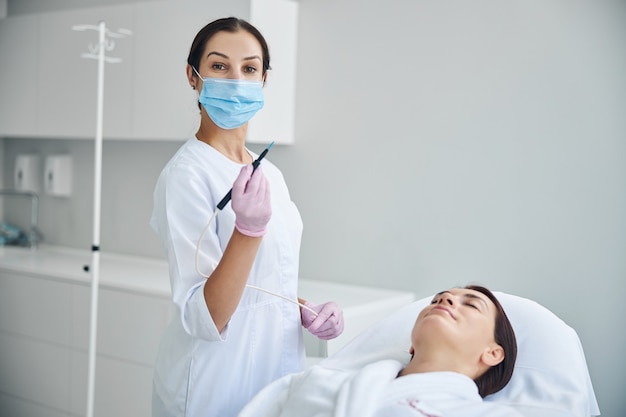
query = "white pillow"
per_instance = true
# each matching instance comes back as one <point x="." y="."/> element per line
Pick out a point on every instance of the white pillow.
<point x="550" y="377"/>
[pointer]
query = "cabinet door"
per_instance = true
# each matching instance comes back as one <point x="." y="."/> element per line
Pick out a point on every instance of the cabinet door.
<point x="130" y="326"/>
<point x="122" y="388"/>
<point x="163" y="107"/>
<point x="36" y="309"/>
<point x="19" y="75"/>
<point x="67" y="97"/>
<point x="35" y="326"/>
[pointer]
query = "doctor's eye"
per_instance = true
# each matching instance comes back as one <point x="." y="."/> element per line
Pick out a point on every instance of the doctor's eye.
<point x="249" y="69"/>
<point x="218" y="66"/>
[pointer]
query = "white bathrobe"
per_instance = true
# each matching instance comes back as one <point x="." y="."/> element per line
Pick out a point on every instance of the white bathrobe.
<point x="373" y="391"/>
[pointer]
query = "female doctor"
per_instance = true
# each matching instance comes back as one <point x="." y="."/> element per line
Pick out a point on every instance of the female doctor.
<point x="227" y="340"/>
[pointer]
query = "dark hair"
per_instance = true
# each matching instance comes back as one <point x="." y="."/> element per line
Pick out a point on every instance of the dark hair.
<point x="496" y="377"/>
<point x="227" y="24"/>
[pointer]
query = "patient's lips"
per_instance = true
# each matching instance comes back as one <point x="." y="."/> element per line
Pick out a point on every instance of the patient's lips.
<point x="442" y="308"/>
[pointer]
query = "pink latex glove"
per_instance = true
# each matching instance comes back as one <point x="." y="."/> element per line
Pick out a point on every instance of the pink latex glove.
<point x="251" y="202"/>
<point x="328" y="323"/>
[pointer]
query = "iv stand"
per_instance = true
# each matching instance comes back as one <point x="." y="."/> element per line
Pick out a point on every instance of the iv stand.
<point x="97" y="52"/>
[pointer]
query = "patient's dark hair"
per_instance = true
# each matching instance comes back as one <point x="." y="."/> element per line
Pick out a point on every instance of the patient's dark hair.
<point x="498" y="376"/>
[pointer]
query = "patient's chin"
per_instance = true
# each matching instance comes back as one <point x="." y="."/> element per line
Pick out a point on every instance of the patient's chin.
<point x="438" y="328"/>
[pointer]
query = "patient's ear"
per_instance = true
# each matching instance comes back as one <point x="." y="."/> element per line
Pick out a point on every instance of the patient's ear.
<point x="493" y="355"/>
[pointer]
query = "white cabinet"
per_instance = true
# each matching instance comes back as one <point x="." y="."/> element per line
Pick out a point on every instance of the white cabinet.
<point x="19" y="75"/>
<point x="35" y="331"/>
<point x="44" y="329"/>
<point x="130" y="326"/>
<point x="47" y="90"/>
<point x="164" y="105"/>
<point x="44" y="333"/>
<point x="67" y="93"/>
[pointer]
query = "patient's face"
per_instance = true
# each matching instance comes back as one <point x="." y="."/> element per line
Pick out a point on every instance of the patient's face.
<point x="457" y="319"/>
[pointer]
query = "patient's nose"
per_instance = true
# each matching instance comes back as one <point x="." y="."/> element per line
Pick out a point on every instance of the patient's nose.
<point x="446" y="298"/>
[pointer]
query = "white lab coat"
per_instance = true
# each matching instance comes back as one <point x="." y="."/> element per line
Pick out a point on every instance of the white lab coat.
<point x="200" y="372"/>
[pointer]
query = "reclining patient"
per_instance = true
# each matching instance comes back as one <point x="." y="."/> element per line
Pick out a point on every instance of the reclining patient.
<point x="463" y="348"/>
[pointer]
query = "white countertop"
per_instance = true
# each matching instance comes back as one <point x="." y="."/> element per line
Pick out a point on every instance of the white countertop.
<point x="130" y="273"/>
<point x="362" y="306"/>
<point x="150" y="276"/>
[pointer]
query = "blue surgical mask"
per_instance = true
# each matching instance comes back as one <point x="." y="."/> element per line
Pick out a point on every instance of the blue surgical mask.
<point x="231" y="103"/>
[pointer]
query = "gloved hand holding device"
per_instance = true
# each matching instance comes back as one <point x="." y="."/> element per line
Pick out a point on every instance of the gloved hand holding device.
<point x="251" y="202"/>
<point x="327" y="324"/>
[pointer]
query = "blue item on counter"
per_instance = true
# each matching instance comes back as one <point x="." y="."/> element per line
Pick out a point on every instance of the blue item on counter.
<point x="10" y="234"/>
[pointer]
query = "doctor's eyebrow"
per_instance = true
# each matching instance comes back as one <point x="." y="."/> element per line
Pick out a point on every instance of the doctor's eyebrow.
<point x="217" y="53"/>
<point x="248" y="58"/>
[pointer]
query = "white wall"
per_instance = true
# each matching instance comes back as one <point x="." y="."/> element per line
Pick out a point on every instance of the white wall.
<point x="443" y="142"/>
<point x="437" y="143"/>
